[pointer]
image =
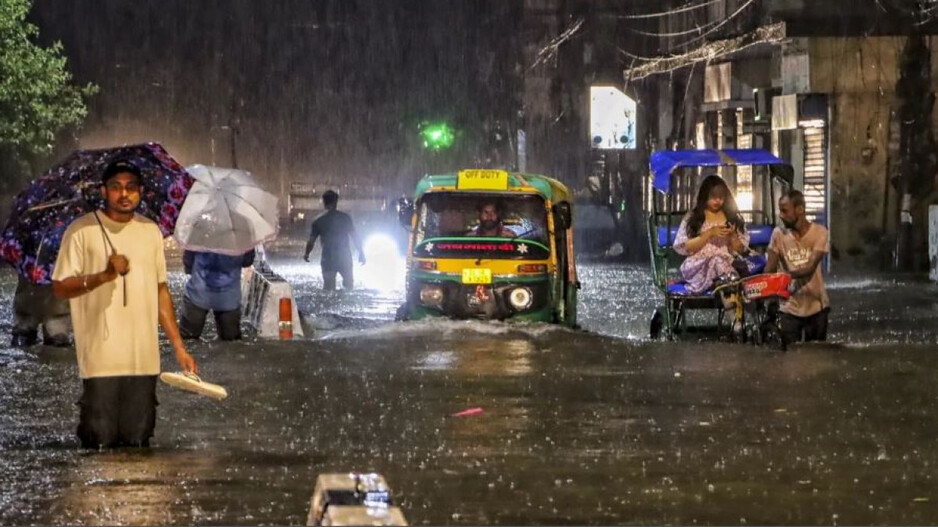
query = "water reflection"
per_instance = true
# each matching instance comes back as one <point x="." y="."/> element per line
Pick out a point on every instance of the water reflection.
<point x="481" y="356"/>
<point x="132" y="487"/>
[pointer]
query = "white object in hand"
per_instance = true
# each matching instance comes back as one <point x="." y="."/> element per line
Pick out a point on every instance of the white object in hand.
<point x="191" y="382"/>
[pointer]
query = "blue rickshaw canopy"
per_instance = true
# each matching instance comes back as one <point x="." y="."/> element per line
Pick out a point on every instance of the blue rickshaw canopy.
<point x="664" y="162"/>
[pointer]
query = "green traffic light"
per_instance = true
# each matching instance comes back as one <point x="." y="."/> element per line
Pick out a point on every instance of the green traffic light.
<point x="437" y="136"/>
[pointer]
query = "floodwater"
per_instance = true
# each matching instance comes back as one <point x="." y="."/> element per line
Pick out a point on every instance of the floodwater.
<point x="585" y="427"/>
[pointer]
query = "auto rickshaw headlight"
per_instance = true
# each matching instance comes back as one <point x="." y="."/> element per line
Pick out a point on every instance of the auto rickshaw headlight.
<point x="520" y="298"/>
<point x="431" y="295"/>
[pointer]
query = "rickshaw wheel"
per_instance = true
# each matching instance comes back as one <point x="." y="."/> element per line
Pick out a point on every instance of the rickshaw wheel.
<point x="775" y="339"/>
<point x="757" y="337"/>
<point x="657" y="322"/>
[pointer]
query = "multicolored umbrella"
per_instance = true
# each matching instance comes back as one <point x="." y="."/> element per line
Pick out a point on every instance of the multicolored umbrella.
<point x="41" y="213"/>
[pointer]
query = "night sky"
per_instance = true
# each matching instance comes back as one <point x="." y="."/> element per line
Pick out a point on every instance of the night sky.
<point x="325" y="91"/>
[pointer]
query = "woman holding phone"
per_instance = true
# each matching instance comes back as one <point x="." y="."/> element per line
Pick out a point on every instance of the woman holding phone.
<point x="709" y="235"/>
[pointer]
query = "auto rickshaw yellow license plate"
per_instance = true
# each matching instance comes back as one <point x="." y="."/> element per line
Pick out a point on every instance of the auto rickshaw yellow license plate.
<point x="477" y="276"/>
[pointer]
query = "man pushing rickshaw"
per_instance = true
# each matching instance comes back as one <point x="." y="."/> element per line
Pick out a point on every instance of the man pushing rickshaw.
<point x="705" y="257"/>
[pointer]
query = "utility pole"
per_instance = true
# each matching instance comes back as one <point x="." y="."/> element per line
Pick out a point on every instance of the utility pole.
<point x="916" y="143"/>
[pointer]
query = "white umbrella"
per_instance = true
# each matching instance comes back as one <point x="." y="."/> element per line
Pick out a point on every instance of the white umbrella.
<point x="225" y="212"/>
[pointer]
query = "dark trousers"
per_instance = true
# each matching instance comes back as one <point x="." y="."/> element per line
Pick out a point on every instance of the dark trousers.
<point x="192" y="321"/>
<point x="35" y="305"/>
<point x="117" y="411"/>
<point x="54" y="329"/>
<point x="328" y="277"/>
<point x="806" y="329"/>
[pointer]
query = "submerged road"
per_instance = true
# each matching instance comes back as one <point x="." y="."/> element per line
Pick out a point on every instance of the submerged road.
<point x="596" y="427"/>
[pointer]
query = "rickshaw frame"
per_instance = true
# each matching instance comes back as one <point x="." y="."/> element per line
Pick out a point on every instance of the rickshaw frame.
<point x="665" y="215"/>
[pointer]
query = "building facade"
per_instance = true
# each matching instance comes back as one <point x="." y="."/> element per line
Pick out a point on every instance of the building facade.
<point x="824" y="87"/>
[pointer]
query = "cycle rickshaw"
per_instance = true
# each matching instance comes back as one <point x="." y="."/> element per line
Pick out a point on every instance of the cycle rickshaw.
<point x="757" y="179"/>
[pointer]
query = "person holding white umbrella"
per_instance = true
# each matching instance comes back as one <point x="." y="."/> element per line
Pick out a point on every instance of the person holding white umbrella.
<point x="225" y="215"/>
<point x="214" y="285"/>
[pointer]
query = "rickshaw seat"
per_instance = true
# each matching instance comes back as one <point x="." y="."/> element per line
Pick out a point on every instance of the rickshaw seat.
<point x="756" y="263"/>
<point x="759" y="235"/>
<point x="680" y="289"/>
<point x="663" y="239"/>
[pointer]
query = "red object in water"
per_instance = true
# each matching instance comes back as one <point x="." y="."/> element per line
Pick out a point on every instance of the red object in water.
<point x="468" y="412"/>
<point x="763" y="286"/>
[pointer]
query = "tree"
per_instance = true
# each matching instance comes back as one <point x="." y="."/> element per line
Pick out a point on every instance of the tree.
<point x="37" y="97"/>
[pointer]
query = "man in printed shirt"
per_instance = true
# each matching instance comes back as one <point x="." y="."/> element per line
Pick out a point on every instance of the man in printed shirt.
<point x="800" y="246"/>
<point x="115" y="323"/>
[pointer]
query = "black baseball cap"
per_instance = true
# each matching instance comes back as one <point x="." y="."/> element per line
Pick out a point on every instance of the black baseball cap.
<point x="118" y="166"/>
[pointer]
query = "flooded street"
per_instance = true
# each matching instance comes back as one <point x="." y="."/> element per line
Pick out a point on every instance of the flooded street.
<point x="594" y="427"/>
<point x="514" y="150"/>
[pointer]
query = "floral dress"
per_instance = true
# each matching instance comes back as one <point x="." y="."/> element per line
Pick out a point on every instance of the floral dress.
<point x="712" y="261"/>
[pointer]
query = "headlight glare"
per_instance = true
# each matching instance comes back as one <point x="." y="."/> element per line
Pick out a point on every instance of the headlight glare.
<point x="431" y="295"/>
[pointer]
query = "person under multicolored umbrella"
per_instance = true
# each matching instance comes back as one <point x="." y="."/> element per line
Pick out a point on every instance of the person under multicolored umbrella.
<point x="43" y="210"/>
<point x="112" y="268"/>
<point x="35" y="305"/>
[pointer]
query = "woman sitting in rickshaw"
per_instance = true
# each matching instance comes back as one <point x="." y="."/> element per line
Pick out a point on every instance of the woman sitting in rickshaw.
<point x="709" y="235"/>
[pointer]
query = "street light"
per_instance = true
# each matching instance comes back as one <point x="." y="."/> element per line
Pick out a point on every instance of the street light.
<point x="437" y="136"/>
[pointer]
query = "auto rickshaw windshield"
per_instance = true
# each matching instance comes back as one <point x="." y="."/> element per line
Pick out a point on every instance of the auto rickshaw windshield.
<point x="456" y="215"/>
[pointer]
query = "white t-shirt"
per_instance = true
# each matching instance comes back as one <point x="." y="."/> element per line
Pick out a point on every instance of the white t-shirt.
<point x="113" y="339"/>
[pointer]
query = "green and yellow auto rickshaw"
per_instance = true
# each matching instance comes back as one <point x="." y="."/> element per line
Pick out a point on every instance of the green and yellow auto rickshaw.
<point x="463" y="264"/>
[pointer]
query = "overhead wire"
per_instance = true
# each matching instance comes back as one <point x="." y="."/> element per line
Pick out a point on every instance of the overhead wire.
<point x="551" y="48"/>
<point x="683" y="9"/>
<point x="675" y="33"/>
<point x="716" y="27"/>
<point x="707" y="52"/>
<point x="707" y="29"/>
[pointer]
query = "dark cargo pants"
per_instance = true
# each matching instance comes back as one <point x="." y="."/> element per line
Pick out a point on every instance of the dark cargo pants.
<point x="117" y="411"/>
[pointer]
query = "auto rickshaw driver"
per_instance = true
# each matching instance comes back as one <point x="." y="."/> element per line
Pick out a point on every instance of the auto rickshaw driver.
<point x="490" y="222"/>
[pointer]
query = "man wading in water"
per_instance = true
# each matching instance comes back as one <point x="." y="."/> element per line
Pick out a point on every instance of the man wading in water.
<point x="112" y="269"/>
<point x="335" y="228"/>
<point x="799" y="247"/>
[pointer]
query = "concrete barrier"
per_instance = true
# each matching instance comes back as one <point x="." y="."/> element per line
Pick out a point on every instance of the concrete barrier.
<point x="261" y="291"/>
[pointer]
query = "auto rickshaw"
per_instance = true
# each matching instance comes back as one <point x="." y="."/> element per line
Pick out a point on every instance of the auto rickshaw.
<point x="675" y="179"/>
<point x="461" y="266"/>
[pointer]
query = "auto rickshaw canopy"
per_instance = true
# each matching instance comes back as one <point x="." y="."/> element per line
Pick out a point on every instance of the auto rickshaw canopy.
<point x="484" y="180"/>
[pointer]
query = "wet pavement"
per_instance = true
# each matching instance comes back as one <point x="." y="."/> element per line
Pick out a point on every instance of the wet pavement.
<point x="592" y="427"/>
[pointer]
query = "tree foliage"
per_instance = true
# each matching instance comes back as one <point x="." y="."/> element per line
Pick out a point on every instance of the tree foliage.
<point x="37" y="96"/>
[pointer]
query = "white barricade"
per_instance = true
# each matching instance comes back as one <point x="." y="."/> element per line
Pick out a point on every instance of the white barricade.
<point x="261" y="291"/>
<point x="353" y="499"/>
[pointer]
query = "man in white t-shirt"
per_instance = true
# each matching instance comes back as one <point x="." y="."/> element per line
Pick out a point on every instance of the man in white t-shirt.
<point x="112" y="269"/>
